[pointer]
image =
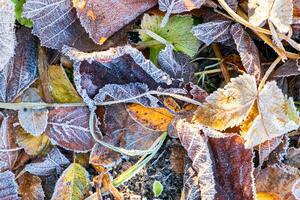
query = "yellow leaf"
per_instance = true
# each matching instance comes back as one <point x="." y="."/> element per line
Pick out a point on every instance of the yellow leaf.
<point x="61" y="88"/>
<point x="267" y="196"/>
<point x="157" y="119"/>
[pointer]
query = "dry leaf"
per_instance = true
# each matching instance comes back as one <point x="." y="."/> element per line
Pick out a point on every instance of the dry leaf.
<point x="72" y="184"/>
<point x="179" y="6"/>
<point x="293" y="157"/>
<point x="156" y="119"/>
<point x="7" y="35"/>
<point x="289" y="68"/>
<point x="8" y="186"/>
<point x="30" y="187"/>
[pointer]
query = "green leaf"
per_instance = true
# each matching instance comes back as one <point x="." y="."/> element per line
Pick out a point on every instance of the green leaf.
<point x="73" y="184"/>
<point x="157" y="188"/>
<point x="178" y="33"/>
<point x="61" y="88"/>
<point x="19" y="11"/>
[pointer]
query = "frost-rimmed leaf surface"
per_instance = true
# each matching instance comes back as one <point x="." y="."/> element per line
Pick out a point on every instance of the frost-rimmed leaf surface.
<point x="247" y="49"/>
<point x="22" y="70"/>
<point x="30" y="187"/>
<point x="52" y="164"/>
<point x="69" y="128"/>
<point x="7" y="34"/>
<point x="8" y="186"/>
<point x="179" y="6"/>
<point x="56" y="24"/>
<point x="102" y="18"/>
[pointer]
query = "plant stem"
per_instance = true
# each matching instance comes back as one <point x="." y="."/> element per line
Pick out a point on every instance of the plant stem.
<point x="222" y="65"/>
<point x="268" y="72"/>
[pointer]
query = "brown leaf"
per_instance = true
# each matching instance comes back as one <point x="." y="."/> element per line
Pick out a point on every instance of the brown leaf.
<point x="293" y="157"/>
<point x="8" y="186"/>
<point x="289" y="68"/>
<point x="247" y="49"/>
<point x="30" y="187"/>
<point x="278" y="179"/>
<point x="69" y="128"/>
<point x="102" y="18"/>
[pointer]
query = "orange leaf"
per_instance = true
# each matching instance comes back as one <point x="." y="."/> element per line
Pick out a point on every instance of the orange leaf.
<point x="267" y="196"/>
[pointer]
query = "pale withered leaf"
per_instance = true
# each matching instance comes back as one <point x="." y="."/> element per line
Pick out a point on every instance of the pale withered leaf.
<point x="34" y="121"/>
<point x="247" y="49"/>
<point x="52" y="164"/>
<point x="279" y="12"/>
<point x="213" y="31"/>
<point x="72" y="184"/>
<point x="56" y="24"/>
<point x="191" y="189"/>
<point x="30" y="187"/>
<point x="22" y="70"/>
<point x="69" y="128"/>
<point x="198" y="150"/>
<point x="7" y="34"/>
<point x="8" y="186"/>
<point x="102" y="18"/>
<point x="176" y="64"/>
<point x="293" y="157"/>
<point x="266" y="148"/>
<point x="229" y="106"/>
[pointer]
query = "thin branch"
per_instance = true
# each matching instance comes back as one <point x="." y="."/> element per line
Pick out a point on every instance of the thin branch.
<point x="268" y="72"/>
<point x="222" y="65"/>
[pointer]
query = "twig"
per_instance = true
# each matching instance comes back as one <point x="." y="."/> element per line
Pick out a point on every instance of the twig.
<point x="222" y="65"/>
<point x="268" y="72"/>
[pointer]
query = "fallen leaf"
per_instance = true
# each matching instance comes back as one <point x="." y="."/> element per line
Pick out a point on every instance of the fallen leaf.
<point x="69" y="128"/>
<point x="62" y="89"/>
<point x="287" y="69"/>
<point x="8" y="186"/>
<point x="53" y="163"/>
<point x="277" y="179"/>
<point x="19" y="12"/>
<point x="30" y="187"/>
<point x="179" y="6"/>
<point x="34" y="121"/>
<point x="267" y="196"/>
<point x="213" y="31"/>
<point x="102" y="21"/>
<point x="7" y="35"/>
<point x="32" y="145"/>
<point x="22" y="70"/>
<point x="72" y="184"/>
<point x="293" y="157"/>
<point x="156" y="119"/>
<point x="56" y="24"/>
<point x="247" y="49"/>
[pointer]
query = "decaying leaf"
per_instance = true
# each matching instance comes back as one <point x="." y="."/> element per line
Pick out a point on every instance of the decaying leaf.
<point x="266" y="148"/>
<point x="213" y="31"/>
<point x="156" y="119"/>
<point x="30" y="187"/>
<point x="293" y="157"/>
<point x="69" y="128"/>
<point x="7" y="35"/>
<point x="22" y="70"/>
<point x="8" y="186"/>
<point x="73" y="183"/>
<point x="32" y="145"/>
<point x="197" y="149"/>
<point x="179" y="6"/>
<point x="247" y="49"/>
<point x="102" y="21"/>
<point x="52" y="164"/>
<point x="279" y="12"/>
<point x="62" y="89"/>
<point x="34" y="121"/>
<point x="277" y="179"/>
<point x="289" y="68"/>
<point x="55" y="23"/>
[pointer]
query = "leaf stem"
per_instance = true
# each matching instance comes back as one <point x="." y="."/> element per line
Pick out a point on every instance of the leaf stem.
<point x="268" y="72"/>
<point x="222" y="65"/>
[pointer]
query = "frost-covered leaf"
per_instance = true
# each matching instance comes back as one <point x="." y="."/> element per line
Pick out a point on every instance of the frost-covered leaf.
<point x="34" y="121"/>
<point x="277" y="179"/>
<point x="177" y="33"/>
<point x="177" y="65"/>
<point x="22" y="70"/>
<point x="7" y="34"/>
<point x="229" y="106"/>
<point x="32" y="145"/>
<point x="289" y="68"/>
<point x="293" y="157"/>
<point x="62" y="89"/>
<point x="266" y="148"/>
<point x="30" y="187"/>
<point x="102" y="18"/>
<point x="198" y="150"/>
<point x="213" y="31"/>
<point x="19" y="12"/>
<point x="191" y="189"/>
<point x="247" y="49"/>
<point x="8" y="141"/>
<point x="73" y="184"/>
<point x="179" y="6"/>
<point x="8" y="186"/>
<point x="157" y="119"/>
<point x="69" y="127"/>
<point x="56" y="24"/>
<point x="52" y="164"/>
<point x="279" y="12"/>
<point x="116" y="67"/>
